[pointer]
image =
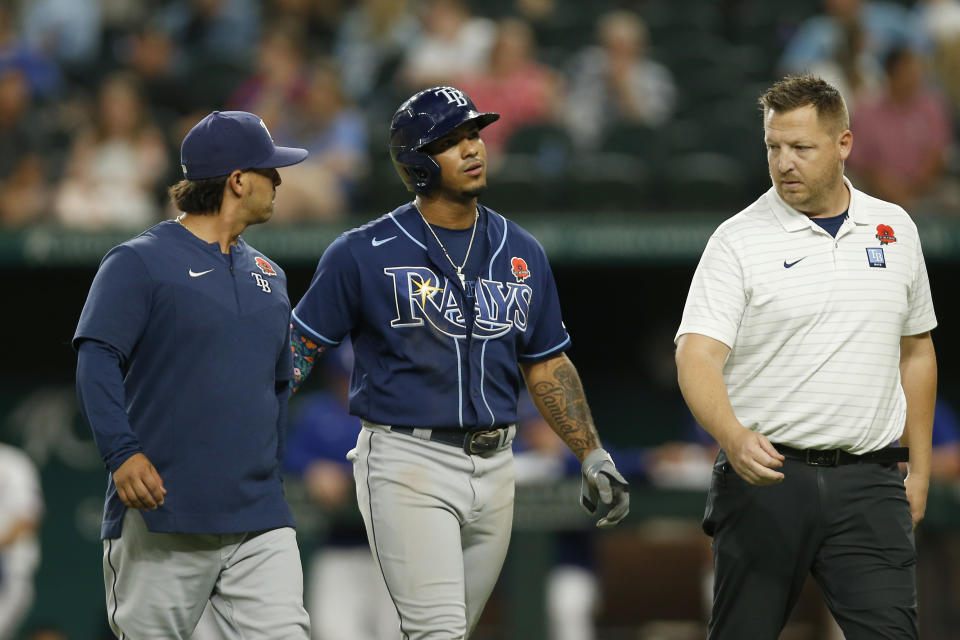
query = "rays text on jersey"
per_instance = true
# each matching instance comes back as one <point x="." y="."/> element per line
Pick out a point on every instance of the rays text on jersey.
<point x="420" y="295"/>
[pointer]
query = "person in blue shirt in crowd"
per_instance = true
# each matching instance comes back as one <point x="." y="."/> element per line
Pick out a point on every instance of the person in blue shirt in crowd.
<point x="183" y="374"/>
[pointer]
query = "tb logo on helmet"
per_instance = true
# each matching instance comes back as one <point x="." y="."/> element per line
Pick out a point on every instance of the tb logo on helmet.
<point x="452" y="95"/>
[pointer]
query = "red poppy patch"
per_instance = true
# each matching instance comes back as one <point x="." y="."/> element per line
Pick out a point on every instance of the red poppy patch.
<point x="518" y="266"/>
<point x="885" y="234"/>
<point x="265" y="266"/>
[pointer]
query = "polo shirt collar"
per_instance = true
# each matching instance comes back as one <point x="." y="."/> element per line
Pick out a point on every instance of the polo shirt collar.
<point x="793" y="220"/>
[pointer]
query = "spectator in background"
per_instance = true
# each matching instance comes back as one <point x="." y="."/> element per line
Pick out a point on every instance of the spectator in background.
<point x="945" y="460"/>
<point x="116" y="166"/>
<point x="21" y="508"/>
<point x="41" y="72"/>
<point x="885" y="25"/>
<point x="149" y="52"/>
<point x="453" y="42"/>
<point x="903" y="137"/>
<point x="280" y="76"/>
<point x="212" y="30"/>
<point x="23" y="183"/>
<point x="319" y="18"/>
<point x="68" y="31"/>
<point x="615" y="81"/>
<point x="370" y="42"/>
<point x="573" y="592"/>
<point x="941" y="20"/>
<point x="345" y="593"/>
<point x="850" y="68"/>
<point x="514" y="84"/>
<point x="323" y="187"/>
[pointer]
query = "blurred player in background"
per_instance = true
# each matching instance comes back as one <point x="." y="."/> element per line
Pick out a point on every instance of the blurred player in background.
<point x="345" y="594"/>
<point x="805" y="350"/>
<point x="183" y="373"/>
<point x="443" y="298"/>
<point x="21" y="508"/>
<point x="573" y="594"/>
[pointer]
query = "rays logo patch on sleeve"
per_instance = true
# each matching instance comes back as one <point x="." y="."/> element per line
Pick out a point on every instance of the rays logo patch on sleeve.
<point x="875" y="257"/>
<point x="518" y="266"/>
<point x="265" y="266"/>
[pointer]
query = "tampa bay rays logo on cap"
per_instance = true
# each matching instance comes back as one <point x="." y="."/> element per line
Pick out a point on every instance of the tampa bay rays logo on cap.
<point x="452" y="95"/>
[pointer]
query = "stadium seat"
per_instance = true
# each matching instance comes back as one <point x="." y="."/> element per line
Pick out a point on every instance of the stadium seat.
<point x="705" y="181"/>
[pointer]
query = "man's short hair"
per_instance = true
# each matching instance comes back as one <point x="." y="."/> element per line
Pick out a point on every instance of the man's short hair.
<point x="201" y="197"/>
<point x="793" y="92"/>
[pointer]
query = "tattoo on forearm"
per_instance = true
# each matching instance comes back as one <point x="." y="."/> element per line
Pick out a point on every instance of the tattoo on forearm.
<point x="563" y="399"/>
<point x="305" y="354"/>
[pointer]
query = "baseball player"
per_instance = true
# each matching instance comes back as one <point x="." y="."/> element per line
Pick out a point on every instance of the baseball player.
<point x="21" y="509"/>
<point x="183" y="369"/>
<point x="805" y="350"/>
<point x="443" y="298"/>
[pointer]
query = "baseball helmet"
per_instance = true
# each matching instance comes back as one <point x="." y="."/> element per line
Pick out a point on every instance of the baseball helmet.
<point x="424" y="117"/>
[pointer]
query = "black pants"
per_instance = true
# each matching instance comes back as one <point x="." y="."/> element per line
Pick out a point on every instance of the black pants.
<point x="849" y="526"/>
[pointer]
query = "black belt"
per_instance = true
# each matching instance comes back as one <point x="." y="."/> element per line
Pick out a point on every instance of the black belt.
<point x="834" y="457"/>
<point x="472" y="441"/>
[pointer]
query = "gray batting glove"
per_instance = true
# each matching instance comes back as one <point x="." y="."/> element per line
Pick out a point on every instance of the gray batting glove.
<point x="601" y="481"/>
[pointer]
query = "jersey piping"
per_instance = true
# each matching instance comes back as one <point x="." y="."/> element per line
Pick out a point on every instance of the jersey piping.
<point x="312" y="332"/>
<point x="407" y="233"/>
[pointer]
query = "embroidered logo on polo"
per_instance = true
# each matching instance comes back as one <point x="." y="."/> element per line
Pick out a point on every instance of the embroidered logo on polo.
<point x="787" y="265"/>
<point x="265" y="266"/>
<point x="423" y="297"/>
<point x="518" y="267"/>
<point x="262" y="282"/>
<point x="875" y="257"/>
<point x="885" y="234"/>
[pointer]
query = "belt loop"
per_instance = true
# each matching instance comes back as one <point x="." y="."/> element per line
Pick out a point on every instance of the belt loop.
<point x="423" y="434"/>
<point x="509" y="434"/>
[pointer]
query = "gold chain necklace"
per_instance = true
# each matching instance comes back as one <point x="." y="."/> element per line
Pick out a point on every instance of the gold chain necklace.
<point x="463" y="280"/>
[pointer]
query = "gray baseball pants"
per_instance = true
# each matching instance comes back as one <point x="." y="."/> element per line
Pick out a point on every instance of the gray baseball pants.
<point x="438" y="521"/>
<point x="158" y="584"/>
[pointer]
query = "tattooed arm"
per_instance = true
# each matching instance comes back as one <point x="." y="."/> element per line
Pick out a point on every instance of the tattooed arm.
<point x="305" y="354"/>
<point x="558" y="394"/>
<point x="556" y="390"/>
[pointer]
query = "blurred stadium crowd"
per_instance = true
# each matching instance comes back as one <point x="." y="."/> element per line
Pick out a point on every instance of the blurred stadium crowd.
<point x="623" y="105"/>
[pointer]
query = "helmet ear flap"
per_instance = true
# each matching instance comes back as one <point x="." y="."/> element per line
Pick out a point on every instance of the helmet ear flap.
<point x="419" y="172"/>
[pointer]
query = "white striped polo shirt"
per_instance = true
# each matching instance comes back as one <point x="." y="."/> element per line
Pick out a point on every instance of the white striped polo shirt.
<point x="814" y="323"/>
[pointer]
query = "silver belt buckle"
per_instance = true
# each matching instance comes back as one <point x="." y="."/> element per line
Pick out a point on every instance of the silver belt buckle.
<point x="484" y="440"/>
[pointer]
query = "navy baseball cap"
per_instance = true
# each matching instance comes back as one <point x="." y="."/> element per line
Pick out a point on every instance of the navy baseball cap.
<point x="226" y="141"/>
